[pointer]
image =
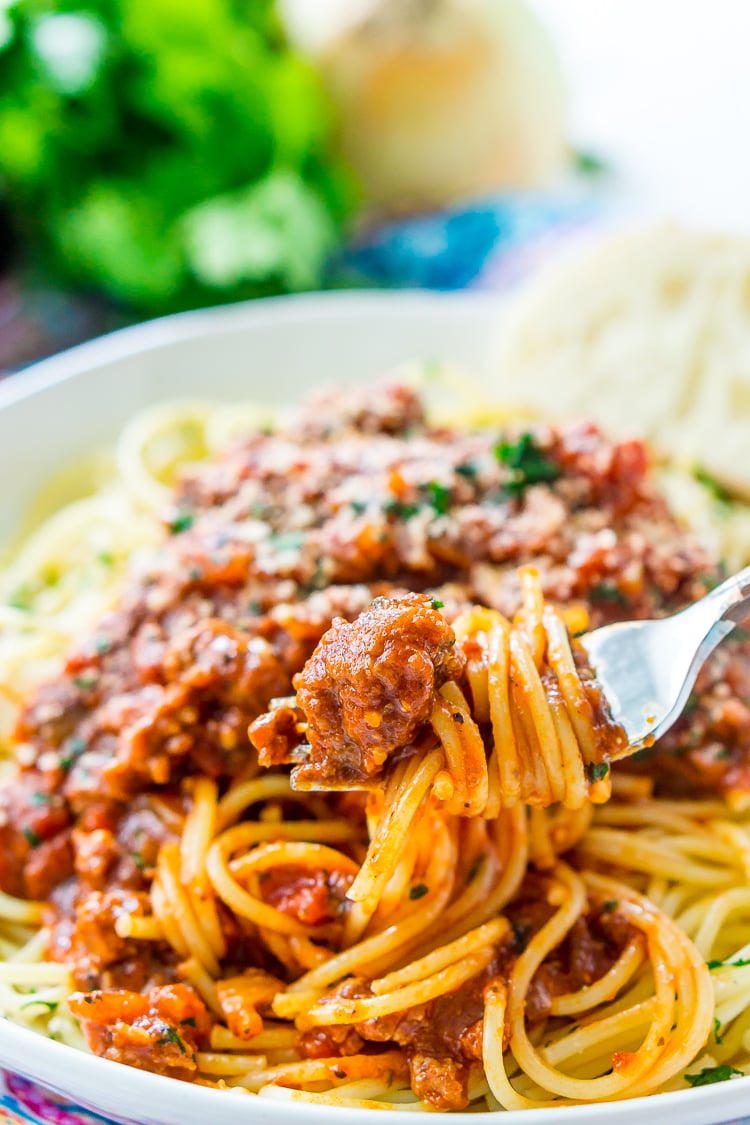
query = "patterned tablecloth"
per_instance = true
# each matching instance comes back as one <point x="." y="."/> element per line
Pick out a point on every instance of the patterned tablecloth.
<point x="21" y="1102"/>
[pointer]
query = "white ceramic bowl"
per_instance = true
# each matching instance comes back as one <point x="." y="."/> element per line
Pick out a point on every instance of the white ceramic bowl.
<point x="271" y="350"/>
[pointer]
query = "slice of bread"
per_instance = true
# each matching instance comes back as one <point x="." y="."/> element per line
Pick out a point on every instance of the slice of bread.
<point x="649" y="333"/>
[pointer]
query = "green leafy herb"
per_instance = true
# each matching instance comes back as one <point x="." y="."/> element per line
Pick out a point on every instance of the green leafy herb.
<point x="102" y="645"/>
<point x="436" y="603"/>
<point x="711" y="579"/>
<point x="168" y="155"/>
<point x="290" y="541"/>
<point x="106" y="558"/>
<point x="183" y="521"/>
<point x="40" y="798"/>
<point x="31" y="837"/>
<point x="610" y="905"/>
<point x="528" y="464"/>
<point x="85" y="683"/>
<point x="400" y="510"/>
<point x="75" y="748"/>
<point x="419" y="890"/>
<point x="719" y="493"/>
<point x="171" y="1035"/>
<point x="597" y="770"/>
<point x="22" y="598"/>
<point x="729" y="964"/>
<point x="608" y="592"/>
<point x="358" y="506"/>
<point x="717" y="1030"/>
<point x="468" y="470"/>
<point x="440" y="496"/>
<point x="139" y="861"/>
<point x="711" y="1074"/>
<point x="50" y="1005"/>
<point x="189" y="1022"/>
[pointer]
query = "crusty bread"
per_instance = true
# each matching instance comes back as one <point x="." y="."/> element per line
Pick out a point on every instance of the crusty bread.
<point x="649" y="333"/>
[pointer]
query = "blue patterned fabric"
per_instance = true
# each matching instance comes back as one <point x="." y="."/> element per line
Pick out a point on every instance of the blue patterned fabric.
<point x="488" y="244"/>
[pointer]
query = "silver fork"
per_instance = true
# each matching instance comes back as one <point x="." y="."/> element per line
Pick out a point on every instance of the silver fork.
<point x="647" y="669"/>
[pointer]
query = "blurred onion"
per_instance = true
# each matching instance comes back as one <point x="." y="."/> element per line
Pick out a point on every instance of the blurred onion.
<point x="446" y="99"/>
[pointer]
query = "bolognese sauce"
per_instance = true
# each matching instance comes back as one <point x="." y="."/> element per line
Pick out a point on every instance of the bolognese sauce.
<point x="305" y="592"/>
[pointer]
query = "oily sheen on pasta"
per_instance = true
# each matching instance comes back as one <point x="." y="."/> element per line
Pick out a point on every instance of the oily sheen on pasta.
<point x="327" y="806"/>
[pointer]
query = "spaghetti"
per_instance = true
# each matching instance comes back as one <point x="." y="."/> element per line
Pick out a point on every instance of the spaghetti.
<point x="416" y="883"/>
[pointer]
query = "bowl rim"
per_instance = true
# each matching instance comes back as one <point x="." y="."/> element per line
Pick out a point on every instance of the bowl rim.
<point x="199" y="324"/>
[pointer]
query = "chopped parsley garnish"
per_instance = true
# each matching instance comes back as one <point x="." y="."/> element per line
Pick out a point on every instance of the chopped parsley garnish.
<point x="31" y="837"/>
<point x="189" y="1022"/>
<point x="183" y="521"/>
<point x="718" y="492"/>
<point x="40" y="798"/>
<point x="717" y="1030"/>
<point x="597" y="770"/>
<point x="436" y="603"/>
<point x="102" y="645"/>
<point x="171" y="1035"/>
<point x="419" y="891"/>
<point x="468" y="470"/>
<point x="610" y="905"/>
<point x="138" y="860"/>
<point x="358" y="506"/>
<point x="51" y="1005"/>
<point x="711" y="1074"/>
<point x="738" y="964"/>
<point x="607" y="592"/>
<point x="400" y="510"/>
<point x="76" y="747"/>
<point x="290" y="541"/>
<point x="528" y="464"/>
<point x="106" y="558"/>
<point x="440" y="496"/>
<point x="22" y="598"/>
<point x="85" y="683"/>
